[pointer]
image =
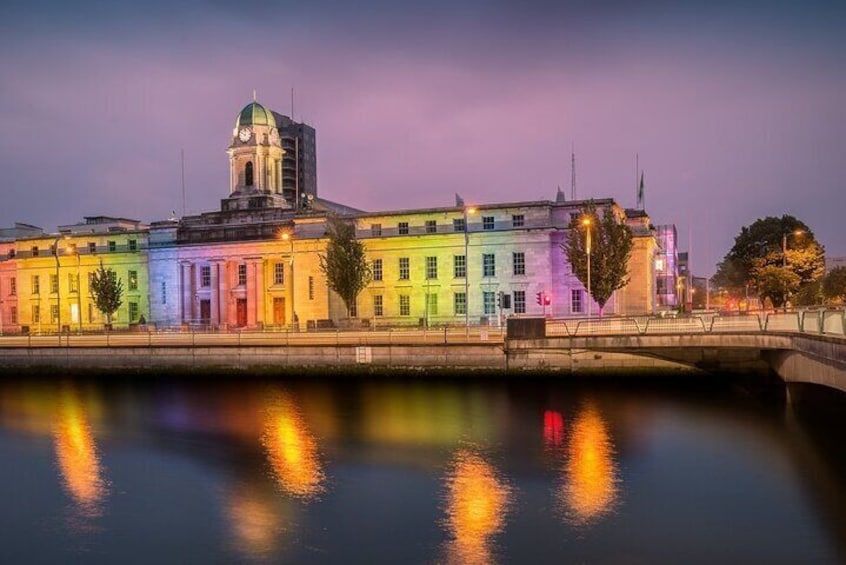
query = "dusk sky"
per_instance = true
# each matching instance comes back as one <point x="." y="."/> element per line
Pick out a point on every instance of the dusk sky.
<point x="736" y="112"/>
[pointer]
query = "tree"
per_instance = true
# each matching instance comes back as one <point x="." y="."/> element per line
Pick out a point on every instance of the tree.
<point x="760" y="245"/>
<point x="611" y="248"/>
<point x="106" y="291"/>
<point x="344" y="265"/>
<point x="834" y="285"/>
<point x="776" y="283"/>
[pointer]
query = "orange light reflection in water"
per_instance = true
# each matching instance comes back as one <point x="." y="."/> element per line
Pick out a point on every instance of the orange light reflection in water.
<point x="76" y="453"/>
<point x="477" y="505"/>
<point x="590" y="487"/>
<point x="290" y="448"/>
<point x="257" y="521"/>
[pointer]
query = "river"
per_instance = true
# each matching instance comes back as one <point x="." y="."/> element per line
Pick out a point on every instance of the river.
<point x="413" y="469"/>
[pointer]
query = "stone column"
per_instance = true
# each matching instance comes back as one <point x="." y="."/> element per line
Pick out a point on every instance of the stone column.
<point x="187" y="292"/>
<point x="260" y="291"/>
<point x="223" y="293"/>
<point x="214" y="293"/>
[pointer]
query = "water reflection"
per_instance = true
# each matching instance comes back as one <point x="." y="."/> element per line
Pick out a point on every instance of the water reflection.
<point x="589" y="490"/>
<point x="76" y="453"/>
<point x="290" y="448"/>
<point x="476" y="505"/>
<point x="553" y="429"/>
<point x="256" y="519"/>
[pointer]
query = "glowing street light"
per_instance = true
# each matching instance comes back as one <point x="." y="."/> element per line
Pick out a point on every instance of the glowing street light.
<point x="587" y="222"/>
<point x="796" y="233"/>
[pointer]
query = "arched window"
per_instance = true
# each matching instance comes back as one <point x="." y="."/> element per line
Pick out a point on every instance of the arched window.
<point x="248" y="174"/>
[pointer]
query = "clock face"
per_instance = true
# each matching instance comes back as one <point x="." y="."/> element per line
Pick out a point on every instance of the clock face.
<point x="245" y="134"/>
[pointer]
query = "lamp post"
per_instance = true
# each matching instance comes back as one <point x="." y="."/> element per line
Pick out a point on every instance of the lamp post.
<point x="587" y="222"/>
<point x="286" y="236"/>
<point x="796" y="233"/>
<point x="74" y="250"/>
<point x="467" y="213"/>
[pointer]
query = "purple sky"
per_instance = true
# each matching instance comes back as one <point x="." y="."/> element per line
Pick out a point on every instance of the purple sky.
<point x="737" y="113"/>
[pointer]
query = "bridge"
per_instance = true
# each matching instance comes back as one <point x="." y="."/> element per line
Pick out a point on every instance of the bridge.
<point x="808" y="347"/>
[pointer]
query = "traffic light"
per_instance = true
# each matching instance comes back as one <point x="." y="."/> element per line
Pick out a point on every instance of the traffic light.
<point x="547" y="300"/>
<point x="540" y="299"/>
<point x="499" y="300"/>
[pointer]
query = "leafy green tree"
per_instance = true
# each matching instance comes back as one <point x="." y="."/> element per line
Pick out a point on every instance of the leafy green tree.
<point x="106" y="291"/>
<point x="344" y="265"/>
<point x="776" y="283"/>
<point x="611" y="248"/>
<point x="760" y="245"/>
<point x="834" y="285"/>
<point x="809" y="294"/>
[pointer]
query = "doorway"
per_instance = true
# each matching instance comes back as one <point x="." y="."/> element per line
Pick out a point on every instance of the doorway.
<point x="241" y="312"/>
<point x="279" y="311"/>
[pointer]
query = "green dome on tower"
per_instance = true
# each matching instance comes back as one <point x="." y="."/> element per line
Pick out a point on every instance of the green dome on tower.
<point x="254" y="114"/>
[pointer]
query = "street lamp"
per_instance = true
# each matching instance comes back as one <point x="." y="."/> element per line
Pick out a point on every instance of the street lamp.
<point x="587" y="222"/>
<point x="286" y="236"/>
<point x="467" y="212"/>
<point x="796" y="233"/>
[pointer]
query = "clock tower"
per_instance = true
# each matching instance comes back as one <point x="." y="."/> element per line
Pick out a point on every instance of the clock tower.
<point x="255" y="161"/>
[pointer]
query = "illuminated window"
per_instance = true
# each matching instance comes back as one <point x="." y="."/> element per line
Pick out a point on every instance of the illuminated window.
<point x="403" y="268"/>
<point x="488" y="265"/>
<point x="431" y="226"/>
<point x="517" y="220"/>
<point x="132" y="280"/>
<point x="431" y="267"/>
<point x="73" y="283"/>
<point x="459" y="266"/>
<point x="576" y="306"/>
<point x="402" y="227"/>
<point x="36" y="314"/>
<point x="519" y="301"/>
<point x="242" y="274"/>
<point x="459" y="303"/>
<point x="405" y="305"/>
<point x="487" y="222"/>
<point x="279" y="273"/>
<point x="54" y="284"/>
<point x="133" y="312"/>
<point x="519" y="262"/>
<point x="311" y="288"/>
<point x="377" y="305"/>
<point x="489" y="302"/>
<point x="377" y="269"/>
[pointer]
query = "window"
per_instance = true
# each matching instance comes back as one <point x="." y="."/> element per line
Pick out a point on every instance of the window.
<point x="489" y="302"/>
<point x="377" y="306"/>
<point x="518" y="261"/>
<point x="36" y="284"/>
<point x="488" y="265"/>
<point x="354" y="309"/>
<point x="92" y="247"/>
<point x="36" y="314"/>
<point x="205" y="276"/>
<point x="576" y="301"/>
<point x="376" y="230"/>
<point x="517" y="221"/>
<point x="403" y="268"/>
<point x="377" y="269"/>
<point x="459" y="266"/>
<point x="242" y="274"/>
<point x="403" y="228"/>
<point x="112" y="246"/>
<point x="132" y="280"/>
<point x="279" y="273"/>
<point x="13" y="313"/>
<point x="35" y="251"/>
<point x="459" y="303"/>
<point x="164" y="292"/>
<point x="73" y="281"/>
<point x="54" y="284"/>
<point x="311" y="288"/>
<point x="90" y="313"/>
<point x="458" y="224"/>
<point x="13" y="286"/>
<point x="54" y="313"/>
<point x="133" y="245"/>
<point x="431" y="226"/>
<point x="519" y="301"/>
<point x="133" y="312"/>
<point x="405" y="305"/>
<point x="248" y="174"/>
<point x="487" y="222"/>
<point x="431" y="267"/>
<point x="12" y="253"/>
<point x="432" y="304"/>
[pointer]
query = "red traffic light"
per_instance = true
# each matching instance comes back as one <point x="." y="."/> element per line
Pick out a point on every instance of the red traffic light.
<point x="547" y="299"/>
<point x="540" y="299"/>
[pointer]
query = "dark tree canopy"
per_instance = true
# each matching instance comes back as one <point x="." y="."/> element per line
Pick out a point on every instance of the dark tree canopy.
<point x="611" y="248"/>
<point x="834" y="285"/>
<point x="759" y="246"/>
<point x="345" y="266"/>
<point x="106" y="290"/>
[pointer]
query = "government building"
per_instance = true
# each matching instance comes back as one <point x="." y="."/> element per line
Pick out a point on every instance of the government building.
<point x="254" y="263"/>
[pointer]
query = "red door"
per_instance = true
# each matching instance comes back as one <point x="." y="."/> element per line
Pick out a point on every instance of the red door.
<point x="241" y="312"/>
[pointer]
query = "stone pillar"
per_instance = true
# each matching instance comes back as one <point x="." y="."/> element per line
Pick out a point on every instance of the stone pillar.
<point x="260" y="291"/>
<point x="223" y="293"/>
<point x="187" y="292"/>
<point x="214" y="293"/>
<point x="251" y="293"/>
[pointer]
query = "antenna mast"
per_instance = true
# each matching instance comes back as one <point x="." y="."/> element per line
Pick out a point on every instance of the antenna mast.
<point x="292" y="103"/>
<point x="573" y="171"/>
<point x="182" y="156"/>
